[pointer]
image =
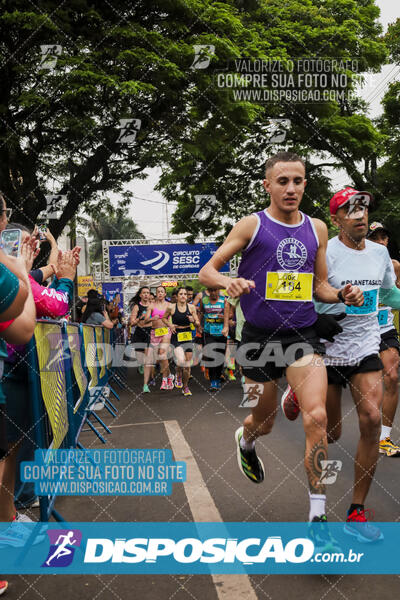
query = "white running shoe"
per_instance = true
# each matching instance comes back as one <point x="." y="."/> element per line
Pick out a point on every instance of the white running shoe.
<point x="22" y="518"/>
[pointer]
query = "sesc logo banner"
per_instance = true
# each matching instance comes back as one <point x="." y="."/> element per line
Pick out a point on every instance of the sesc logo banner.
<point x="168" y="259"/>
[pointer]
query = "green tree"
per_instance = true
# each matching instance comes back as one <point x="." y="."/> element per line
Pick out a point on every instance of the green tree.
<point x="60" y="126"/>
<point x="230" y="164"/>
<point x="113" y="225"/>
<point x="387" y="190"/>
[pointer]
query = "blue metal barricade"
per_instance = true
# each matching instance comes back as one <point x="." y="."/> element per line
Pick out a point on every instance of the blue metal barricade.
<point x="69" y="369"/>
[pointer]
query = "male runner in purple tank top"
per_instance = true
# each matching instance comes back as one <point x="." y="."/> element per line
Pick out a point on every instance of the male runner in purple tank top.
<point x="283" y="264"/>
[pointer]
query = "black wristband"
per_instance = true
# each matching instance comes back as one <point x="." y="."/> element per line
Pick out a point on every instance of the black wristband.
<point x="340" y="296"/>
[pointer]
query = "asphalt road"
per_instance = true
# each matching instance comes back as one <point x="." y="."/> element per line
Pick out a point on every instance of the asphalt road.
<point x="206" y="423"/>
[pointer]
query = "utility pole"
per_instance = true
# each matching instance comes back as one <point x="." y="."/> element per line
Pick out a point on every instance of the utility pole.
<point x="72" y="241"/>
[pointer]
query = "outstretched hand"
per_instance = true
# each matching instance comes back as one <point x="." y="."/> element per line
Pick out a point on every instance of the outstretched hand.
<point x="66" y="265"/>
<point x="28" y="253"/>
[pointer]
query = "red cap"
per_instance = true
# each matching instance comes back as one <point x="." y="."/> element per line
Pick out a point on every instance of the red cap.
<point x="342" y="197"/>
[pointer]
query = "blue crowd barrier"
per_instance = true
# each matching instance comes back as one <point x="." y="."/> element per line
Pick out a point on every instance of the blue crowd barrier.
<point x="70" y="374"/>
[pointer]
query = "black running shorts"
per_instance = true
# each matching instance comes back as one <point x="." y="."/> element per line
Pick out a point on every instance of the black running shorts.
<point x="186" y="345"/>
<point x="141" y="336"/>
<point x="390" y="339"/>
<point x="339" y="375"/>
<point x="264" y="355"/>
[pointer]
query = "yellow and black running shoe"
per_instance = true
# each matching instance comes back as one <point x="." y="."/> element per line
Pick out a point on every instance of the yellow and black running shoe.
<point x="387" y="447"/>
<point x="249" y="463"/>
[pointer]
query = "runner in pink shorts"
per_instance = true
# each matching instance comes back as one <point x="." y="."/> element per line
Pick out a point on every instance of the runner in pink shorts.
<point x="160" y="336"/>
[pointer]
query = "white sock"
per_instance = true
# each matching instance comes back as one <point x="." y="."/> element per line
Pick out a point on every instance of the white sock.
<point x="164" y="378"/>
<point x="245" y="445"/>
<point x="385" y="432"/>
<point x="317" y="505"/>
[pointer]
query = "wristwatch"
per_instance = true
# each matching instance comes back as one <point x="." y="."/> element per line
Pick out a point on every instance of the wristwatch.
<point x="340" y="296"/>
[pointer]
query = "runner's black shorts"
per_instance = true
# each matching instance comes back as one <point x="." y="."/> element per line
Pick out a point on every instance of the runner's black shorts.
<point x="232" y="333"/>
<point x="341" y="375"/>
<point x="264" y="355"/>
<point x="186" y="345"/>
<point x="390" y="339"/>
<point x="141" y="335"/>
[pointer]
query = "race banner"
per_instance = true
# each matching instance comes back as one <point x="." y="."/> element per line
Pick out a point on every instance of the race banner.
<point x="163" y="259"/>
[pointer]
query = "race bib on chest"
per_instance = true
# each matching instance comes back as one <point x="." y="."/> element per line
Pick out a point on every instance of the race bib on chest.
<point x="369" y="307"/>
<point x="185" y="336"/>
<point x="160" y="331"/>
<point x="383" y="317"/>
<point x="282" y="285"/>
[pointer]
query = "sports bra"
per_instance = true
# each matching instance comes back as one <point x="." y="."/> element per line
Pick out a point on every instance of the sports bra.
<point x="157" y="312"/>
<point x="181" y="318"/>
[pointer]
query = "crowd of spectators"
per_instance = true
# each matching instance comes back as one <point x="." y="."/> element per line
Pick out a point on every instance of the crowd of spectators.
<point x="26" y="294"/>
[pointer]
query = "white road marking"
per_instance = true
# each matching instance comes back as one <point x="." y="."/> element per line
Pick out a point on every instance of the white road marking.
<point x="134" y="424"/>
<point x="203" y="509"/>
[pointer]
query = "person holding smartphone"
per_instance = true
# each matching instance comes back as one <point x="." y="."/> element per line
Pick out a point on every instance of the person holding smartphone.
<point x="17" y="331"/>
<point x="52" y="302"/>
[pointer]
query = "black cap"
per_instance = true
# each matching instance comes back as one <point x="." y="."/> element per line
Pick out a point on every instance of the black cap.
<point x="375" y="227"/>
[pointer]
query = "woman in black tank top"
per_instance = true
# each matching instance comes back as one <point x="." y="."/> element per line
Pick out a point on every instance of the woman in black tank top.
<point x="141" y="335"/>
<point x="182" y="316"/>
<point x="182" y="319"/>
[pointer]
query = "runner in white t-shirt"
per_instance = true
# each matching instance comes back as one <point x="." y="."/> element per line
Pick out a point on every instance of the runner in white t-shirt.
<point x="372" y="269"/>
<point x="353" y="357"/>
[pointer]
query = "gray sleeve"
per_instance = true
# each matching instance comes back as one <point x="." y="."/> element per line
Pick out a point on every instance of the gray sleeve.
<point x="96" y="319"/>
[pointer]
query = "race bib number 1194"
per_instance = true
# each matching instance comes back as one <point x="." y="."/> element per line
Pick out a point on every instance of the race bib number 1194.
<point x="282" y="285"/>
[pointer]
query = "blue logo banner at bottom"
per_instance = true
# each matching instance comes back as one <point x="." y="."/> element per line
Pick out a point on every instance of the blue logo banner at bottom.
<point x="199" y="548"/>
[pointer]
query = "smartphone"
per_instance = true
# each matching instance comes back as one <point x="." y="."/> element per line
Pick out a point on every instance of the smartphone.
<point x="11" y="241"/>
<point x="42" y="232"/>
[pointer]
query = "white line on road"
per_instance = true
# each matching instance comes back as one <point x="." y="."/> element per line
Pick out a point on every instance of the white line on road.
<point x="204" y="509"/>
<point x="134" y="424"/>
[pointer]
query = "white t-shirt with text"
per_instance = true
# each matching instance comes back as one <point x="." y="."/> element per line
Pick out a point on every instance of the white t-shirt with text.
<point x="369" y="269"/>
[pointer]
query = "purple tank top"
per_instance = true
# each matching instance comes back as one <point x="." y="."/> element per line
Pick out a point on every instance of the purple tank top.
<point x="278" y="247"/>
